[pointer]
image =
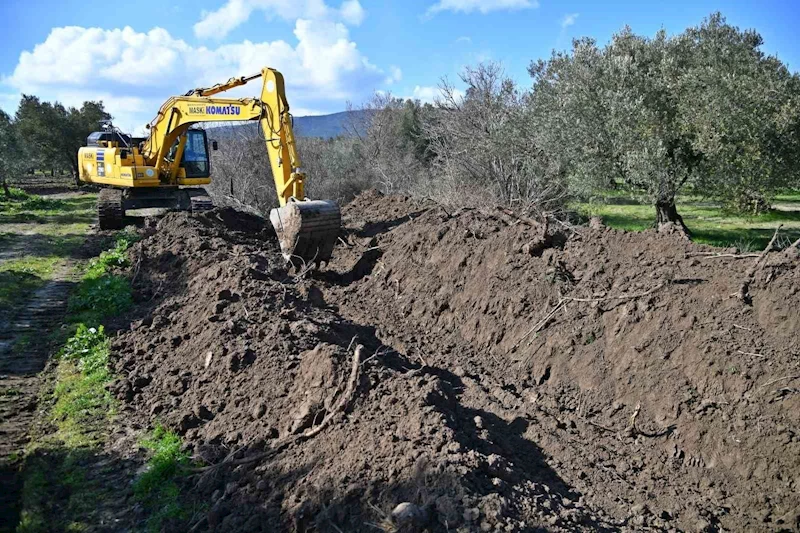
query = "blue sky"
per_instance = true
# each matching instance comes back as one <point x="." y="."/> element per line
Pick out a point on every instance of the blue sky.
<point x="134" y="55"/>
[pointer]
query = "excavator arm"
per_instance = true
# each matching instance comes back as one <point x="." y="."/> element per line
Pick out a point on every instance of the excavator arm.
<point x="307" y="230"/>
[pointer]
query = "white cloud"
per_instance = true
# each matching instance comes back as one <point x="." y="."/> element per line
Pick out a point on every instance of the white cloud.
<point x="352" y="12"/>
<point x="569" y="20"/>
<point x="395" y="75"/>
<point x="426" y="93"/>
<point x="464" y="39"/>
<point x="482" y="6"/>
<point x="217" y="24"/>
<point x="137" y="71"/>
<point x="9" y="102"/>
<point x="430" y="94"/>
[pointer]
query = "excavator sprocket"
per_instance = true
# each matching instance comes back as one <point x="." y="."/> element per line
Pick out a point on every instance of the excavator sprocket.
<point x="307" y="230"/>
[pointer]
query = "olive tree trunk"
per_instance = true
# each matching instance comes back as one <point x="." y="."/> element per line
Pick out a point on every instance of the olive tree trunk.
<point x="667" y="213"/>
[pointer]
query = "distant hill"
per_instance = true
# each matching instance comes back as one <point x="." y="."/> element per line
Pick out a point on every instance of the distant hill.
<point x="322" y="126"/>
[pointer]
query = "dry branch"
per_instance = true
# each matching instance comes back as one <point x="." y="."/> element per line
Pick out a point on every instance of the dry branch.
<point x="712" y="255"/>
<point x="622" y="296"/>
<point x="564" y="300"/>
<point x="784" y="378"/>
<point x="751" y="353"/>
<point x="744" y="288"/>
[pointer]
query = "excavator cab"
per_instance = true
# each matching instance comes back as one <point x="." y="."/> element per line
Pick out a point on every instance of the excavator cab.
<point x="195" y="159"/>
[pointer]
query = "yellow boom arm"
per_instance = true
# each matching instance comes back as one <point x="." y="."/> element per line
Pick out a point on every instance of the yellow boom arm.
<point x="179" y="113"/>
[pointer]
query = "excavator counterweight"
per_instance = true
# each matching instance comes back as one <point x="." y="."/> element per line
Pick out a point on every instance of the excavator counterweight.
<point x="166" y="169"/>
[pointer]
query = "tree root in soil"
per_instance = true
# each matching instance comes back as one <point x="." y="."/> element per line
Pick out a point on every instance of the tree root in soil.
<point x="631" y="430"/>
<point x="281" y="444"/>
<point x="565" y="300"/>
<point x="744" y="289"/>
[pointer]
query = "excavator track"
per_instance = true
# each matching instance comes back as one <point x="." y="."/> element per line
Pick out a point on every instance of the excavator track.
<point x="110" y="213"/>
<point x="200" y="201"/>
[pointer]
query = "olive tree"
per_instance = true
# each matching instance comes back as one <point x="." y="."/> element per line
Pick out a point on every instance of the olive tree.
<point x="613" y="113"/>
<point x="52" y="133"/>
<point x="12" y="159"/>
<point x="704" y="110"/>
<point x="743" y="108"/>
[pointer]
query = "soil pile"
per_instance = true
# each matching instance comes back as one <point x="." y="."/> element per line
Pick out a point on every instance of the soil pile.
<point x="518" y="375"/>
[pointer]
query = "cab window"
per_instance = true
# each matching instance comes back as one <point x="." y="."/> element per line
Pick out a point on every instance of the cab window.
<point x="195" y="155"/>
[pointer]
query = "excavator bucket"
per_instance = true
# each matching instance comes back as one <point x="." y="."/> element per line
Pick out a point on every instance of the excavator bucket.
<point x="307" y="230"/>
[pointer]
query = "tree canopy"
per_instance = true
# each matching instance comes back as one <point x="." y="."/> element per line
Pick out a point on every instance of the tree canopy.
<point x="705" y="110"/>
<point x="52" y="134"/>
<point x="11" y="157"/>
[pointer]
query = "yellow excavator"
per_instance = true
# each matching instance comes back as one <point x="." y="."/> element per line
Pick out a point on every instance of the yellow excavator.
<point x="166" y="169"/>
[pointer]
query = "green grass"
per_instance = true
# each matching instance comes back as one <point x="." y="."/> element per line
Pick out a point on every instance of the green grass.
<point x="788" y="196"/>
<point x="709" y="224"/>
<point x="57" y="494"/>
<point x="57" y="228"/>
<point x="157" y="488"/>
<point x="21" y="201"/>
<point x="22" y="208"/>
<point x="83" y="407"/>
<point x="101" y="293"/>
<point x="20" y="278"/>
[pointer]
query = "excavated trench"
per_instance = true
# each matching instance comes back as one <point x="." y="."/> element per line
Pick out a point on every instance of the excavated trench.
<point x="514" y="376"/>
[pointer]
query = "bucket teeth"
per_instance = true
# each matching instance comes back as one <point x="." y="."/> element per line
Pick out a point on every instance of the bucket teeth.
<point x="307" y="230"/>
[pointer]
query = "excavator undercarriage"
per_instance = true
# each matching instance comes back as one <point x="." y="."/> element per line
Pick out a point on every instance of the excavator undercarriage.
<point x="113" y="205"/>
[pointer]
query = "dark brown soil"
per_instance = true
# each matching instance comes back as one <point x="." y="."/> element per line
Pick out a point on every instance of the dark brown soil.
<point x="519" y="376"/>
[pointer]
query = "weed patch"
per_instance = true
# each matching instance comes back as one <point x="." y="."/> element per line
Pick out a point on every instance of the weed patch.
<point x="83" y="406"/>
<point x="157" y="488"/>
<point x="19" y="200"/>
<point x="102" y="294"/>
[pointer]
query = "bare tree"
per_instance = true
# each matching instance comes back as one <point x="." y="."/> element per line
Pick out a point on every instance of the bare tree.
<point x="241" y="170"/>
<point x="381" y="129"/>
<point x="486" y="143"/>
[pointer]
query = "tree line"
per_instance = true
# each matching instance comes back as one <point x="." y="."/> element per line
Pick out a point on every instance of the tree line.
<point x="705" y="112"/>
<point x="45" y="136"/>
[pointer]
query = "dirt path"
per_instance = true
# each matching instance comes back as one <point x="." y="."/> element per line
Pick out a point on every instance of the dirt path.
<point x="24" y="350"/>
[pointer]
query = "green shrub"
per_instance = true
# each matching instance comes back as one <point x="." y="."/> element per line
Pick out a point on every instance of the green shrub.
<point x="88" y="348"/>
<point x="116" y="257"/>
<point x="101" y="294"/>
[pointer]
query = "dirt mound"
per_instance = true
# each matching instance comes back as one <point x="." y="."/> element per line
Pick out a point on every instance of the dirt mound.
<point x="658" y="393"/>
<point x="237" y="355"/>
<point x="517" y="375"/>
